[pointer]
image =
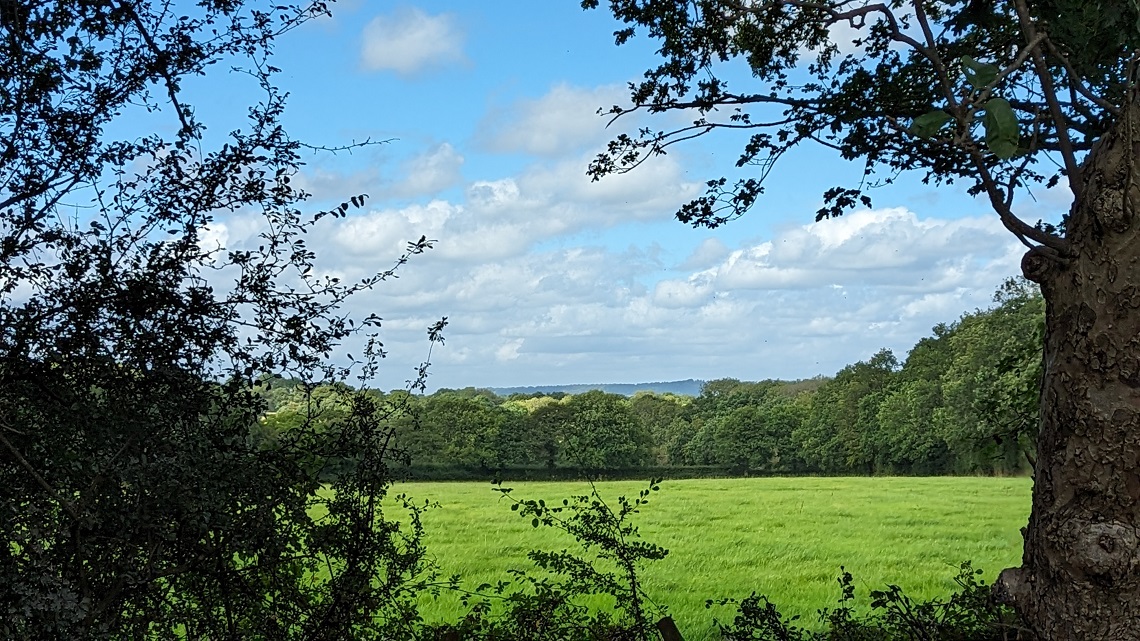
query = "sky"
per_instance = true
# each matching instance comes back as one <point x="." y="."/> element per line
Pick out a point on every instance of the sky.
<point x="486" y="115"/>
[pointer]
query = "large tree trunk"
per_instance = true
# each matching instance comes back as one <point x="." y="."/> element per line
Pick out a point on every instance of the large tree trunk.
<point x="1080" y="574"/>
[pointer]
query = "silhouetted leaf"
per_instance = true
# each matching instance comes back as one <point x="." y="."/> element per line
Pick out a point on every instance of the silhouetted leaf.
<point x="978" y="74"/>
<point x="1001" y="128"/>
<point x="926" y="125"/>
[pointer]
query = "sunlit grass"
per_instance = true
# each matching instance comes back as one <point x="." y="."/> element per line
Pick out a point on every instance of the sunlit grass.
<point x="784" y="537"/>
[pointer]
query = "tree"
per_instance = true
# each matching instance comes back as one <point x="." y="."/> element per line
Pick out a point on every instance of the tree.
<point x="991" y="383"/>
<point x="757" y="438"/>
<point x="664" y="416"/>
<point x="745" y="425"/>
<point x="842" y="429"/>
<point x="997" y="96"/>
<point x="604" y="433"/>
<point x="469" y="426"/>
<point x="140" y="497"/>
<point x="546" y="427"/>
<point x="906" y="413"/>
<point x="909" y="441"/>
<point x="514" y="445"/>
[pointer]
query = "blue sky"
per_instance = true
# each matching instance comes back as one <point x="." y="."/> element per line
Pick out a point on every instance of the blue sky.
<point x="489" y="110"/>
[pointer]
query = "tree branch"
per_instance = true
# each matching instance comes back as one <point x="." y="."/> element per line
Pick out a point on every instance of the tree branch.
<point x="1022" y="56"/>
<point x="39" y="479"/>
<point x="163" y="68"/>
<point x="857" y="17"/>
<point x="704" y="106"/>
<point x="1019" y="228"/>
<point x="1049" y="91"/>
<point x="931" y="53"/>
<point x="1075" y="79"/>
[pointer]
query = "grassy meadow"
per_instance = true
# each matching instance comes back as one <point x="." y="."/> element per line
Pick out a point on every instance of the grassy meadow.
<point x="784" y="537"/>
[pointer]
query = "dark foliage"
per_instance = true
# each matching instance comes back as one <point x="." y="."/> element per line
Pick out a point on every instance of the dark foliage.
<point x="141" y="496"/>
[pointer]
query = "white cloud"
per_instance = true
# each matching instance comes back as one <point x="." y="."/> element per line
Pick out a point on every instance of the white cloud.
<point x="492" y="194"/>
<point x="709" y="252"/>
<point x="427" y="173"/>
<point x="880" y="247"/>
<point x="509" y="350"/>
<point x="564" y="120"/>
<point x="653" y="192"/>
<point x="330" y="186"/>
<point x="409" y="41"/>
<point x="693" y="292"/>
<point x="495" y="219"/>
<point x="504" y="218"/>
<point x="529" y="304"/>
<point x="385" y="232"/>
<point x="214" y="237"/>
<point x="430" y="172"/>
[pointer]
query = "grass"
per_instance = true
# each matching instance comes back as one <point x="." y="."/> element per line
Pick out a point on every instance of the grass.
<point x="783" y="537"/>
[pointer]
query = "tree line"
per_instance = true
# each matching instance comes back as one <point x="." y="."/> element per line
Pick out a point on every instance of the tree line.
<point x="963" y="401"/>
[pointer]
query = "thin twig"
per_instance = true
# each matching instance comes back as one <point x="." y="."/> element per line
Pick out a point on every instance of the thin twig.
<point x="39" y="479"/>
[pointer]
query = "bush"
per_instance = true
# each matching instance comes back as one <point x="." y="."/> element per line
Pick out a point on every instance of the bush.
<point x="968" y="614"/>
<point x="552" y="607"/>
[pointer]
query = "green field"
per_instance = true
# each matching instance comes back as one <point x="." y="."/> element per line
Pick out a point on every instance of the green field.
<point x="784" y="537"/>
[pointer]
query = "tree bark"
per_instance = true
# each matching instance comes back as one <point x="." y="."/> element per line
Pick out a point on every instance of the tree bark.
<point x="1080" y="574"/>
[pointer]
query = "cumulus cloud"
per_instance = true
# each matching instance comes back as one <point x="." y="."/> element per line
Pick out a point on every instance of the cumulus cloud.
<point x="653" y="192"/>
<point x="429" y="172"/>
<point x="507" y="217"/>
<point x="564" y="120"/>
<point x="881" y="247"/>
<point x="425" y="174"/>
<point x="214" y="237"/>
<point x="509" y="350"/>
<point x="383" y="232"/>
<point x="409" y="40"/>
<point x="530" y="303"/>
<point x="325" y="185"/>
<point x="492" y="194"/>
<point x="709" y="252"/>
<point x="691" y="292"/>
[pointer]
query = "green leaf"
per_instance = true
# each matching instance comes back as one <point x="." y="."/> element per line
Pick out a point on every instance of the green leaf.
<point x="1001" y="128"/>
<point x="926" y="125"/>
<point x="978" y="74"/>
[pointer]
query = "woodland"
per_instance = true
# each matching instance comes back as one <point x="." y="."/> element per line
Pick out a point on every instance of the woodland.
<point x="963" y="401"/>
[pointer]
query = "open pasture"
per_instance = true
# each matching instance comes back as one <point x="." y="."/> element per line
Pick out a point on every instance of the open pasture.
<point x="784" y="537"/>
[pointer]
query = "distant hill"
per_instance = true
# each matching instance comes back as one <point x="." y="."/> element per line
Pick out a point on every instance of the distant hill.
<point x="688" y="387"/>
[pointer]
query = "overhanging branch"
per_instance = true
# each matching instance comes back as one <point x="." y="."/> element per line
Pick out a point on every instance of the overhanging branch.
<point x="1048" y="90"/>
